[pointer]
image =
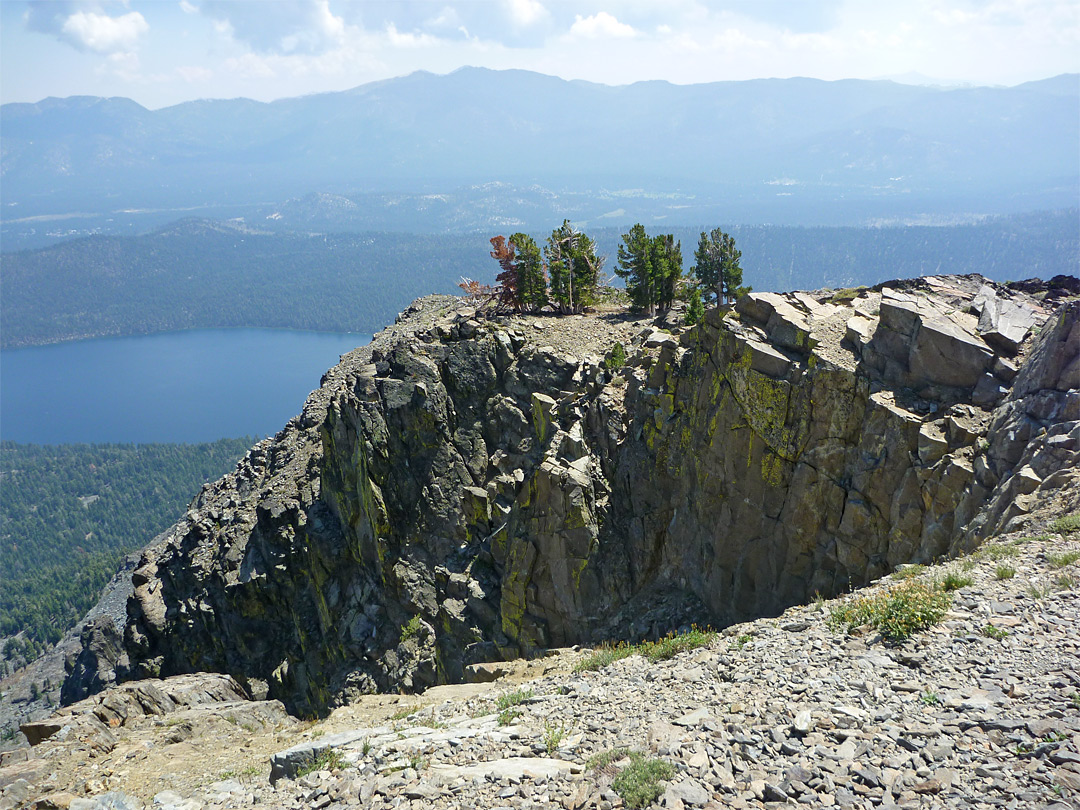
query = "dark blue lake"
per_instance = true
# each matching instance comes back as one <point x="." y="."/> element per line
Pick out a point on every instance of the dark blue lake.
<point x="192" y="386"/>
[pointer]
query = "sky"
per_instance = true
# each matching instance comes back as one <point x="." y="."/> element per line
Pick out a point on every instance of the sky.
<point x="163" y="52"/>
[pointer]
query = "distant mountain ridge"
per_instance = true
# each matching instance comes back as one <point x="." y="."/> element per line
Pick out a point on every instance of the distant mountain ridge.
<point x="876" y="140"/>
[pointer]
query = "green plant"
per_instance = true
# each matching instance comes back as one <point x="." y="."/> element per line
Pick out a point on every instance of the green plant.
<point x="417" y="761"/>
<point x="671" y="645"/>
<point x="896" y="613"/>
<point x="1063" y="559"/>
<point x="1040" y="591"/>
<point x="554" y="733"/>
<point x="328" y="759"/>
<point x="515" y="698"/>
<point x="410" y="629"/>
<point x="997" y="551"/>
<point x="1067" y="524"/>
<point x="401" y="714"/>
<point x="981" y="446"/>
<point x="365" y="746"/>
<point x="995" y="632"/>
<point x="954" y="582"/>
<point x="845" y="295"/>
<point x="741" y="641"/>
<point x="603" y="656"/>
<point x="1064" y="583"/>
<point x="1005" y="572"/>
<point x="605" y="758"/>
<point x="909" y="572"/>
<point x="507" y="716"/>
<point x="617" y="357"/>
<point x="1074" y="699"/>
<point x="930" y="698"/>
<point x="639" y="782"/>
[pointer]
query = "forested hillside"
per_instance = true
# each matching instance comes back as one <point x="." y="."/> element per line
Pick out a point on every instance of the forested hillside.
<point x="199" y="273"/>
<point x="196" y="274"/>
<point x="68" y="513"/>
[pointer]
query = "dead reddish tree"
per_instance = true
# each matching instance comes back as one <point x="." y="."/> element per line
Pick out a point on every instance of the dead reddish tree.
<point x="503" y="253"/>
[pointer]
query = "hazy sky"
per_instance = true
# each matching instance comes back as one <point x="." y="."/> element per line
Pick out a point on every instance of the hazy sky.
<point x="162" y="52"/>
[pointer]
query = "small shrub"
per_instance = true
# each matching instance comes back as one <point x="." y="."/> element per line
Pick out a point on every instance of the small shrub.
<point x="998" y="551"/>
<point x="639" y="782"/>
<point x="604" y="656"/>
<point x="508" y="716"/>
<point x="410" y="629"/>
<point x="515" y="698"/>
<point x="845" y="295"/>
<point x="1004" y="572"/>
<point x="671" y="645"/>
<point x="995" y="632"/>
<point x="605" y="758"/>
<point x="897" y="613"/>
<point x="329" y="759"/>
<point x="908" y="572"/>
<point x="554" y="733"/>
<point x="617" y="358"/>
<point x="742" y="641"/>
<point x="1040" y="591"/>
<point x="1063" y="559"/>
<point x="954" y="582"/>
<point x="930" y="698"/>
<point x="1067" y="524"/>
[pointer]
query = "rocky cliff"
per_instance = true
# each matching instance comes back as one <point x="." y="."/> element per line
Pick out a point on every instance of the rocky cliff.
<point x="466" y="489"/>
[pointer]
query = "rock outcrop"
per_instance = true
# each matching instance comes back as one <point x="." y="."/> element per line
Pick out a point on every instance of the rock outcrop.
<point x="461" y="491"/>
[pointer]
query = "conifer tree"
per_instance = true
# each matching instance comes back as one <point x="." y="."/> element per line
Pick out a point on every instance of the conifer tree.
<point x="522" y="283"/>
<point x="531" y="279"/>
<point x="695" y="310"/>
<point x="717" y="265"/>
<point x="652" y="267"/>
<point x="573" y="268"/>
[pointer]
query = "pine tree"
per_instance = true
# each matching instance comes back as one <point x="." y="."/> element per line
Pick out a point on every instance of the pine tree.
<point x="635" y="267"/>
<point x="652" y="267"/>
<point x="695" y="310"/>
<point x="531" y="279"/>
<point x="573" y="268"/>
<point x="717" y="265"/>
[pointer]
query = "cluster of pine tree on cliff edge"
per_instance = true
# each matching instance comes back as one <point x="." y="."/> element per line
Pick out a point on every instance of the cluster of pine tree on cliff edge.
<point x="566" y="273"/>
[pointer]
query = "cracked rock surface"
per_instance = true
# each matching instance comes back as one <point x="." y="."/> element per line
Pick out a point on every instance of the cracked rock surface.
<point x="470" y="489"/>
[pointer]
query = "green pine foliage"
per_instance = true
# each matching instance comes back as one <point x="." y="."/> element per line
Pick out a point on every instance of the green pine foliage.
<point x="651" y="267"/>
<point x="531" y="280"/>
<point x="717" y="267"/>
<point x="695" y="309"/>
<point x="573" y="268"/>
<point x="68" y="514"/>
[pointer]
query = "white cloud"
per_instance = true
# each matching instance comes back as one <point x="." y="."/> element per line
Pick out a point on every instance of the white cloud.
<point x="194" y="73"/>
<point x="188" y="8"/>
<point x="401" y="39"/>
<point x="251" y="66"/>
<point x="600" y="26"/>
<point x="524" y="13"/>
<point x="92" y="31"/>
<point x="278" y="27"/>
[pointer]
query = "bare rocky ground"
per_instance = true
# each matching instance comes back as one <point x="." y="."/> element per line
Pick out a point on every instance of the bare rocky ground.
<point x="981" y="710"/>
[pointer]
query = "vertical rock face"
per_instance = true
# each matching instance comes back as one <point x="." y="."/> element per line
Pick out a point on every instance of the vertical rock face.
<point x="456" y="492"/>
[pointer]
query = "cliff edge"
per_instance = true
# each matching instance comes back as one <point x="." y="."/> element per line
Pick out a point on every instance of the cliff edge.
<point x="467" y="489"/>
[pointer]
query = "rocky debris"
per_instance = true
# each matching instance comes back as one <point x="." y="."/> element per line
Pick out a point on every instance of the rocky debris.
<point x="470" y="489"/>
<point x="980" y="711"/>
